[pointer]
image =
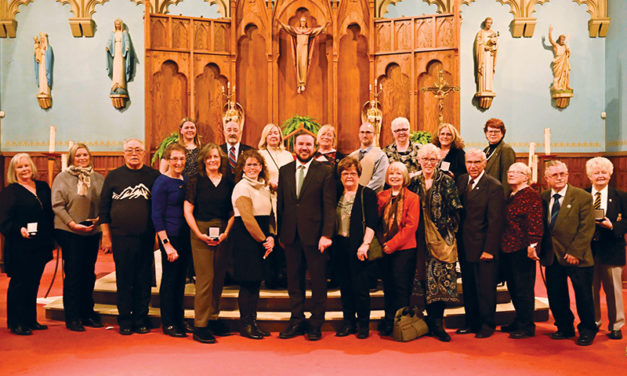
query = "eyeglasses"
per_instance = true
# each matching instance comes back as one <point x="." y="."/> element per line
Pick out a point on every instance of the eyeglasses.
<point x="133" y="151"/>
<point x="558" y="175"/>
<point x="348" y="173"/>
<point x="252" y="165"/>
<point x="491" y="131"/>
<point x="517" y="172"/>
<point x="401" y="130"/>
<point x="181" y="159"/>
<point x="366" y="132"/>
<point x="430" y="160"/>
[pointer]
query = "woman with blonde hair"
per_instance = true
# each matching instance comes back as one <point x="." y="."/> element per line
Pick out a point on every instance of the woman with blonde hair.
<point x="26" y="221"/>
<point x="272" y="149"/>
<point x="75" y="202"/>
<point x="451" y="146"/>
<point x="327" y="142"/>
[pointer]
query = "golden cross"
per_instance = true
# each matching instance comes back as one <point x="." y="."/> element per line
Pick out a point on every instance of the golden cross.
<point x="440" y="90"/>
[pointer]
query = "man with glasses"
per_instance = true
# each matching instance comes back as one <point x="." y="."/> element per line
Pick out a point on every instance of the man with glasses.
<point x="566" y="253"/>
<point x="500" y="154"/>
<point x="402" y="149"/>
<point x="127" y="230"/>
<point x="372" y="159"/>
<point x="232" y="146"/>
<point x="479" y="243"/>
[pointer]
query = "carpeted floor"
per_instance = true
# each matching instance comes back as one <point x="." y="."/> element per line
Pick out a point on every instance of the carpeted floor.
<point x="57" y="351"/>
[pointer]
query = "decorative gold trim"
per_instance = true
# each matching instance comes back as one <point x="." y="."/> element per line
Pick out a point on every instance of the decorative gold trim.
<point x="381" y="7"/>
<point x="599" y="21"/>
<point x="444" y="6"/>
<point x="8" y="10"/>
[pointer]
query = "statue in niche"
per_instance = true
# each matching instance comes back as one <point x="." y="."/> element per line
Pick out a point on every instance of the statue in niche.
<point x="43" y="70"/>
<point x="486" y="48"/>
<point x="119" y="63"/>
<point x="560" y="90"/>
<point x="302" y="38"/>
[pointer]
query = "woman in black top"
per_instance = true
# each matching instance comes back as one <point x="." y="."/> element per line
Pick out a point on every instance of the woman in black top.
<point x="26" y="221"/>
<point x="209" y="214"/>
<point x="357" y="219"/>
<point x="451" y="150"/>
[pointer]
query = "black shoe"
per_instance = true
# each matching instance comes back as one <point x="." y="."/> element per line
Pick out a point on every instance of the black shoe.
<point x="38" y="326"/>
<point x="94" y="322"/>
<point x="204" y="335"/>
<point x="509" y="328"/>
<point x="466" y="331"/>
<point x="520" y="334"/>
<point x="314" y="334"/>
<point x="385" y="328"/>
<point x="484" y="333"/>
<point x="219" y="328"/>
<point x="562" y="335"/>
<point x="21" y="330"/>
<point x="142" y="329"/>
<point x="615" y="334"/>
<point x="585" y="339"/>
<point x="363" y="332"/>
<point x="174" y="331"/>
<point x="295" y="328"/>
<point x="346" y="329"/>
<point x="126" y="331"/>
<point x="258" y="330"/>
<point x="437" y="330"/>
<point x="75" y="326"/>
<point x="187" y="327"/>
<point x="248" y="331"/>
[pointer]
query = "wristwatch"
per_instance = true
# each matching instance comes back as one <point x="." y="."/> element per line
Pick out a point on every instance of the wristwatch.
<point x="165" y="241"/>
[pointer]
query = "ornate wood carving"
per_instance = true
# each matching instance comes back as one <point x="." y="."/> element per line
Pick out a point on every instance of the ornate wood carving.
<point x="82" y="25"/>
<point x="209" y="101"/>
<point x="394" y="98"/>
<point x="428" y="103"/>
<point x="8" y="10"/>
<point x="169" y="100"/>
<point x="524" y="23"/>
<point x="161" y="6"/>
<point x="599" y="21"/>
<point x="444" y="6"/>
<point x="381" y="7"/>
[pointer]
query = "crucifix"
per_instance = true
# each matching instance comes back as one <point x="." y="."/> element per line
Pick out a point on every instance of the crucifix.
<point x="440" y="90"/>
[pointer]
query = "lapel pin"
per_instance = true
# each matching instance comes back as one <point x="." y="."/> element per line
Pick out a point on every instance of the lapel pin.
<point x="568" y="206"/>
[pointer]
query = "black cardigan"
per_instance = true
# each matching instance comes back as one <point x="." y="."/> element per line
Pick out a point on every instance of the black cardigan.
<point x="356" y="231"/>
<point x="457" y="158"/>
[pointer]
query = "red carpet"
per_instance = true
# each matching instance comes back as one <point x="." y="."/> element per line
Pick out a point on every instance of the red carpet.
<point x="57" y="351"/>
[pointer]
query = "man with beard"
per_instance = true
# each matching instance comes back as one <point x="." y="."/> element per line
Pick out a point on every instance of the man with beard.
<point x="232" y="148"/>
<point x="306" y="222"/>
<point x="374" y="162"/>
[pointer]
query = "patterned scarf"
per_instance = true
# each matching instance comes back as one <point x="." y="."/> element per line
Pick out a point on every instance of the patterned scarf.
<point x="392" y="215"/>
<point x="84" y="179"/>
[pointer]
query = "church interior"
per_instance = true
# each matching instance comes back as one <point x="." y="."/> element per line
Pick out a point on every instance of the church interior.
<point x="412" y="58"/>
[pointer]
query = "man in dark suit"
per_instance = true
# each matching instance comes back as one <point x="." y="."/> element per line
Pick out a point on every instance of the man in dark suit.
<point x="499" y="153"/>
<point x="306" y="222"/>
<point x="232" y="148"/>
<point x="566" y="253"/>
<point x="608" y="244"/>
<point x="480" y="236"/>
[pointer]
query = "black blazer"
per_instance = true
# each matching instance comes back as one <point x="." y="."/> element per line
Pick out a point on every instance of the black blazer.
<point x="242" y="148"/>
<point x="482" y="217"/>
<point x="457" y="158"/>
<point x="610" y="248"/>
<point x="313" y="214"/>
<point x="356" y="230"/>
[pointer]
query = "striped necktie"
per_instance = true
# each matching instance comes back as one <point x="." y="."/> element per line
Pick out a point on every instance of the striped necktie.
<point x="597" y="200"/>
<point x="555" y="210"/>
<point x="232" y="159"/>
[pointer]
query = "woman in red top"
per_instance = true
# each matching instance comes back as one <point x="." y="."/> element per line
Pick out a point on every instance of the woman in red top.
<point x="523" y="231"/>
<point x="400" y="209"/>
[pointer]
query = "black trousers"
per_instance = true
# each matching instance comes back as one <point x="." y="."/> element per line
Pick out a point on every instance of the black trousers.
<point x="133" y="257"/>
<point x="520" y="274"/>
<point x="559" y="301"/>
<point x="247" y="301"/>
<point x="22" y="295"/>
<point x="399" y="268"/>
<point x="479" y="286"/>
<point x="174" y="273"/>
<point x="299" y="259"/>
<point x="353" y="276"/>
<point x="79" y="260"/>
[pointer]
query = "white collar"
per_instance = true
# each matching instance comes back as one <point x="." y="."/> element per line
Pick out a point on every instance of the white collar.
<point x="562" y="193"/>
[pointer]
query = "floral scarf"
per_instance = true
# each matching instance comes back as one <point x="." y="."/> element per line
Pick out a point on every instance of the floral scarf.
<point x="84" y="178"/>
<point x="393" y="215"/>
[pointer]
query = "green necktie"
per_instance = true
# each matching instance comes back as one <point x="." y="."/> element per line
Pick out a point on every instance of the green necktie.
<point x="299" y="180"/>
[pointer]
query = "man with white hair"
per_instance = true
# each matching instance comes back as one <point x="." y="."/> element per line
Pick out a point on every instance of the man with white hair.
<point x="232" y="147"/>
<point x="402" y="149"/>
<point x="372" y="159"/>
<point x="566" y="253"/>
<point x="608" y="244"/>
<point x="479" y="246"/>
<point x="127" y="230"/>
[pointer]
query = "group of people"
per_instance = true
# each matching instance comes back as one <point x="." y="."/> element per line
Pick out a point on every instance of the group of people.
<point x="408" y="213"/>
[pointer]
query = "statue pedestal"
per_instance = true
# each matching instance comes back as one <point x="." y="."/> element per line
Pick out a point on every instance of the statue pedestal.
<point x="562" y="97"/>
<point x="485" y="98"/>
<point x="45" y="101"/>
<point x="118" y="100"/>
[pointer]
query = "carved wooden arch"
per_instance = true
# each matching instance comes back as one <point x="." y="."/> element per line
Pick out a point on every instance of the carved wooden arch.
<point x="210" y="81"/>
<point x="353" y="12"/>
<point x="320" y="10"/>
<point x="395" y="96"/>
<point x="253" y="12"/>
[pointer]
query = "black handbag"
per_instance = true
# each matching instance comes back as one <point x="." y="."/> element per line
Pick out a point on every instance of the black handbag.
<point x="375" y="251"/>
<point x="409" y="324"/>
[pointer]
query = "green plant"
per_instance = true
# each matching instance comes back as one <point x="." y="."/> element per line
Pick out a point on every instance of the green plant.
<point x="420" y="137"/>
<point x="169" y="139"/>
<point x="294" y="123"/>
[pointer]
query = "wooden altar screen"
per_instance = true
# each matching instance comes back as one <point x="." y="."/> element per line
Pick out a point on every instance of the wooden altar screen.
<point x="188" y="61"/>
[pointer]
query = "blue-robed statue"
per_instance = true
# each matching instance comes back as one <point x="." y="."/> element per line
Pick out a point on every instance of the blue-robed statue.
<point x="119" y="59"/>
<point x="43" y="69"/>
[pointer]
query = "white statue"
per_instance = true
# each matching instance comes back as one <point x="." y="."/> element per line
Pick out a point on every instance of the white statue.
<point x="561" y="63"/>
<point x="486" y="48"/>
<point x="301" y="40"/>
<point x="43" y="69"/>
<point x="119" y="62"/>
